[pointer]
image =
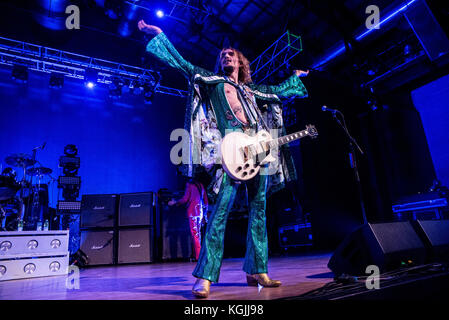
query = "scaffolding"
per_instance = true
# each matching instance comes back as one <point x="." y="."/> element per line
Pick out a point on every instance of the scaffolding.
<point x="276" y="56"/>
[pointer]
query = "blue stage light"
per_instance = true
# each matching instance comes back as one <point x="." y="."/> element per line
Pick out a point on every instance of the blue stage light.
<point x="90" y="85"/>
<point x="160" y="13"/>
<point x="90" y="78"/>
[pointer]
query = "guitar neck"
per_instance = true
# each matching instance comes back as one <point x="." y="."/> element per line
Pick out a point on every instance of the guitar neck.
<point x="288" y="138"/>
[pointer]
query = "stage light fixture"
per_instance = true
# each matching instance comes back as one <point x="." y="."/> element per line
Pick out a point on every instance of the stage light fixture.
<point x="70" y="194"/>
<point x="149" y="91"/>
<point x="160" y="14"/>
<point x="56" y="81"/>
<point x="115" y="88"/>
<point x="70" y="150"/>
<point x="90" y="78"/>
<point x="19" y="73"/>
<point x="69" y="162"/>
<point x="138" y="90"/>
<point x="69" y="182"/>
<point x="69" y="206"/>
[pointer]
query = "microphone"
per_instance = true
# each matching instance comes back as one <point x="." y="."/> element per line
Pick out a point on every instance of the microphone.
<point x="334" y="111"/>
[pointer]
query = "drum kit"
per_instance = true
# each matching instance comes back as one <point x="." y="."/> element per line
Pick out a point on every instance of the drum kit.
<point x="20" y="200"/>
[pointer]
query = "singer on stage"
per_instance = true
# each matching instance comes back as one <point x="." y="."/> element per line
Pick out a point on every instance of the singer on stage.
<point x="218" y="102"/>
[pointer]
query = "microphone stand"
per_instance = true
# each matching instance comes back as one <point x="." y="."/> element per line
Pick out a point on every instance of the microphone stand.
<point x="353" y="160"/>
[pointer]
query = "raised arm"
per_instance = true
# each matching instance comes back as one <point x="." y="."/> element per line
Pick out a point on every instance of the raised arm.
<point x="164" y="50"/>
<point x="293" y="86"/>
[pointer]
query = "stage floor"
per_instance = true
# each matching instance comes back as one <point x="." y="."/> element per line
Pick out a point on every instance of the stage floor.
<point x="173" y="281"/>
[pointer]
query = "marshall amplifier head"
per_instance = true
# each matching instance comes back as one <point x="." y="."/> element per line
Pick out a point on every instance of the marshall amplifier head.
<point x="98" y="210"/>
<point x="136" y="209"/>
<point x="98" y="246"/>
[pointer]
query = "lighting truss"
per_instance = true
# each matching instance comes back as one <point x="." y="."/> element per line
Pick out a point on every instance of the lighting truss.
<point x="277" y="55"/>
<point x="49" y="60"/>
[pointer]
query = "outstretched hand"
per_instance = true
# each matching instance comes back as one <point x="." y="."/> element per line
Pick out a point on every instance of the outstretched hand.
<point x="148" y="29"/>
<point x="301" y="73"/>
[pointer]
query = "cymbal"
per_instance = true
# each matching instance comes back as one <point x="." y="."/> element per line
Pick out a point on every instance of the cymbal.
<point x="20" y="160"/>
<point x="39" y="171"/>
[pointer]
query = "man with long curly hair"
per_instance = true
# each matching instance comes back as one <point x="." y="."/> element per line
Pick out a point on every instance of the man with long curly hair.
<point x="219" y="102"/>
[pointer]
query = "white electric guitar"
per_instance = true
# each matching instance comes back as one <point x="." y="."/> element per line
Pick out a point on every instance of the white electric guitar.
<point x="242" y="155"/>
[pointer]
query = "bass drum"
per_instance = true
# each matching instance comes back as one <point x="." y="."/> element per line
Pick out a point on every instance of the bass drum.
<point x="8" y="184"/>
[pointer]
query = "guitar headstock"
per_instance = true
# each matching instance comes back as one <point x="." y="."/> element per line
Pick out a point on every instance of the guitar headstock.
<point x="311" y="131"/>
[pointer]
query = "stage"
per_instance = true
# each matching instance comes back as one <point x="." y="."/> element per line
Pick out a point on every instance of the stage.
<point x="173" y="281"/>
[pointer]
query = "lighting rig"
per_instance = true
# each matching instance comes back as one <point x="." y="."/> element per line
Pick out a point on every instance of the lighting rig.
<point x="69" y="182"/>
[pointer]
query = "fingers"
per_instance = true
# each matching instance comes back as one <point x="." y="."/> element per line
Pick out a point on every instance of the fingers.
<point x="301" y="73"/>
<point x="140" y="24"/>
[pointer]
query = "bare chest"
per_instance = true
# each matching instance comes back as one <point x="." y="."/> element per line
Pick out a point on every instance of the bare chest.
<point x="234" y="102"/>
<point x="231" y="96"/>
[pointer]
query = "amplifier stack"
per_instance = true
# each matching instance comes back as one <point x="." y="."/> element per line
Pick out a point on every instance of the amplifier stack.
<point x="117" y="228"/>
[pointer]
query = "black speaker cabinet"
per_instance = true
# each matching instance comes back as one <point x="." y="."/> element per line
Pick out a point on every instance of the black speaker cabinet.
<point x="136" y="209"/>
<point x="435" y="235"/>
<point x="135" y="245"/>
<point x="98" y="246"/>
<point x="98" y="210"/>
<point x="385" y="245"/>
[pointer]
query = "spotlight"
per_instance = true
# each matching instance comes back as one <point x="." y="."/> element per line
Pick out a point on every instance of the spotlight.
<point x="56" y="81"/>
<point x="90" y="84"/>
<point x="160" y="13"/>
<point x="20" y="73"/>
<point x="90" y="78"/>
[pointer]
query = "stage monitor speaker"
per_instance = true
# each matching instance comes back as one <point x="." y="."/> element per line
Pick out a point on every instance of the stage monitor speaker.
<point x="175" y="233"/>
<point x="98" y="246"/>
<point x="435" y="236"/>
<point x="135" y="245"/>
<point x="98" y="210"/>
<point x="427" y="29"/>
<point x="386" y="245"/>
<point x="136" y="209"/>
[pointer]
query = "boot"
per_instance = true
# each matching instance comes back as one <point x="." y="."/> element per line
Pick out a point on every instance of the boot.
<point x="262" y="279"/>
<point x="201" y="288"/>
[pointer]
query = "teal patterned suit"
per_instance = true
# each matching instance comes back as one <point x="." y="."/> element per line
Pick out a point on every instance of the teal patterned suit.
<point x="208" y="118"/>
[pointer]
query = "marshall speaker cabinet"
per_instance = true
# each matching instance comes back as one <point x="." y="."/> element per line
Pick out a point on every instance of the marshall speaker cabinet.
<point x="135" y="245"/>
<point x="98" y="211"/>
<point x="136" y="209"/>
<point x="135" y="228"/>
<point x="98" y="245"/>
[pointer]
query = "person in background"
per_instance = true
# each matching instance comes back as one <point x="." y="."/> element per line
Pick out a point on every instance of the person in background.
<point x="195" y="197"/>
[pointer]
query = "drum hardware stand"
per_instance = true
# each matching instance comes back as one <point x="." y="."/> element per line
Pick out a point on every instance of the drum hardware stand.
<point x="3" y="217"/>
